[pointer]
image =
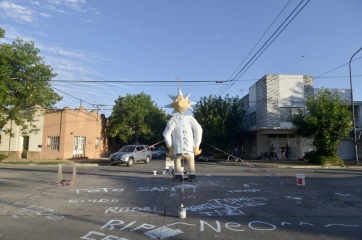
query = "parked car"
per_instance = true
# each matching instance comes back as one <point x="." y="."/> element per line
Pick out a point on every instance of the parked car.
<point x="156" y="152"/>
<point x="163" y="152"/>
<point x="130" y="154"/>
<point x="205" y="157"/>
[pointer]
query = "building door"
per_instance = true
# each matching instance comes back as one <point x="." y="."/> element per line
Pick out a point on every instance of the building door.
<point x="278" y="146"/>
<point x="79" y="144"/>
<point x="24" y="153"/>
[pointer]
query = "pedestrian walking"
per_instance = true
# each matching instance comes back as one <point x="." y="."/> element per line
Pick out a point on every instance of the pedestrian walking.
<point x="287" y="151"/>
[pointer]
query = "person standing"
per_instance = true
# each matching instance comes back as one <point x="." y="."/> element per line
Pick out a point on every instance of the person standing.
<point x="287" y="151"/>
<point x="272" y="152"/>
<point x="283" y="151"/>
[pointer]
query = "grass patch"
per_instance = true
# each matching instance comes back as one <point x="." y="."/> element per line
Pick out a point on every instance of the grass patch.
<point x="17" y="162"/>
<point x="49" y="163"/>
<point x="2" y="157"/>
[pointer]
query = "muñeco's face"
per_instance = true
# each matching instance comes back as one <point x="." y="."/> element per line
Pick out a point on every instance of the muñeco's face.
<point x="181" y="104"/>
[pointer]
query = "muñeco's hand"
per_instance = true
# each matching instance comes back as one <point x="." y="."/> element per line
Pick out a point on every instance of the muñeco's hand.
<point x="197" y="151"/>
<point x="170" y="152"/>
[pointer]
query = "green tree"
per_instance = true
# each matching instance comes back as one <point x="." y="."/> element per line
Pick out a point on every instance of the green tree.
<point x="24" y="84"/>
<point x="135" y="118"/>
<point x="221" y="120"/>
<point x="2" y="33"/>
<point x="327" y="120"/>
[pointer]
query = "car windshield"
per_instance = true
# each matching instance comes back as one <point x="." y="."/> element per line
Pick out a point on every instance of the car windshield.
<point x="127" y="149"/>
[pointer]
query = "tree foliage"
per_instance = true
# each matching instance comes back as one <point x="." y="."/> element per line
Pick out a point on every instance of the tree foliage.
<point x="221" y="120"/>
<point x="328" y="120"/>
<point x="135" y="118"/>
<point x="24" y="84"/>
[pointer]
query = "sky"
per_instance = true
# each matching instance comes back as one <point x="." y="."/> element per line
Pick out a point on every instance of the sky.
<point x="105" y="49"/>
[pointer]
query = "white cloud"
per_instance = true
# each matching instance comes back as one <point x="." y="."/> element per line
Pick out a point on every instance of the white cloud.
<point x="77" y="5"/>
<point x="46" y="15"/>
<point x="17" y="12"/>
<point x="29" y="12"/>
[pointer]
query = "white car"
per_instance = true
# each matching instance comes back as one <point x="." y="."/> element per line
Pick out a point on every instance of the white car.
<point x="130" y="154"/>
<point x="156" y="152"/>
<point x="206" y="157"/>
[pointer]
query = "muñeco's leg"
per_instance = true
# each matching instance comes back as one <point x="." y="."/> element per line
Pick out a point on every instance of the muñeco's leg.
<point x="178" y="169"/>
<point x="191" y="166"/>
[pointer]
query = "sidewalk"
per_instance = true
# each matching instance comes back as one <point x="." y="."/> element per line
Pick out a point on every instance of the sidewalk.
<point x="288" y="164"/>
<point x="90" y="162"/>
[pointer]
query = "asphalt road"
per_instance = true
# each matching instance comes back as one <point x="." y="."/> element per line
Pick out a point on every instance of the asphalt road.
<point x="228" y="201"/>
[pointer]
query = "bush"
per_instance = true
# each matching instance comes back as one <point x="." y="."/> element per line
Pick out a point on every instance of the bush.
<point x="335" y="161"/>
<point x="314" y="157"/>
<point x="3" y="156"/>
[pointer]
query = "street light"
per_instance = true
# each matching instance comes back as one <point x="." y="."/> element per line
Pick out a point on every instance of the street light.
<point x="354" y="122"/>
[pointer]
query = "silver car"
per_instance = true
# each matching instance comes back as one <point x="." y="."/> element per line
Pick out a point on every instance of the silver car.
<point x="156" y="152"/>
<point x="130" y="154"/>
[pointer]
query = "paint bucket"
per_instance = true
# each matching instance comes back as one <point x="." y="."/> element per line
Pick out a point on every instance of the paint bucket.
<point x="154" y="172"/>
<point x="182" y="212"/>
<point x="300" y="179"/>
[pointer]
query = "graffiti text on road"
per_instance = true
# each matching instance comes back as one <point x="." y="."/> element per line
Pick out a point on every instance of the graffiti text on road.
<point x="102" y="200"/>
<point x="130" y="209"/>
<point x="32" y="211"/>
<point x="227" y="206"/>
<point x="97" y="190"/>
<point x="176" y="228"/>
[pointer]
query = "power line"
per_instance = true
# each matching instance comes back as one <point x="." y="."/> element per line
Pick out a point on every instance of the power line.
<point x="273" y="40"/>
<point x="138" y="81"/>
<point x="240" y="73"/>
<point x="319" y="76"/>
<point x="260" y="39"/>
<point x="81" y="101"/>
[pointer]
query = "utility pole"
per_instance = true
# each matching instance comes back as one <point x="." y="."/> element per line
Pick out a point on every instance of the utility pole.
<point x="97" y="107"/>
<point x="354" y="121"/>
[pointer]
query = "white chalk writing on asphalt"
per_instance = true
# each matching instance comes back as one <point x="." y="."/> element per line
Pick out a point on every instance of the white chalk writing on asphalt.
<point x="98" y="190"/>
<point x="102" y="200"/>
<point x="33" y="211"/>
<point x="173" y="229"/>
<point x="227" y="206"/>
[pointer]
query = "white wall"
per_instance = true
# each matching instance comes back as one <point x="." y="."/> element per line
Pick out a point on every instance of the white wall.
<point x="16" y="141"/>
<point x="35" y="139"/>
<point x="291" y="86"/>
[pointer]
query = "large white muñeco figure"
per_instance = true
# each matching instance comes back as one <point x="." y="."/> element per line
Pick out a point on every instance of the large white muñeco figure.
<point x="183" y="136"/>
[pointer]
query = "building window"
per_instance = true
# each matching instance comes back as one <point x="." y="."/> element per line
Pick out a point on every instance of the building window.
<point x="286" y="113"/>
<point x="252" y="119"/>
<point x="281" y="136"/>
<point x="53" y="142"/>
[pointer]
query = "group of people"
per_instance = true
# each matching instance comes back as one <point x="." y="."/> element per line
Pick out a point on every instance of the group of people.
<point x="284" y="152"/>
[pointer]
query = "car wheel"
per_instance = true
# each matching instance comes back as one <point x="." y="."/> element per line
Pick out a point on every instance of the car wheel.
<point x="130" y="162"/>
<point x="147" y="160"/>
